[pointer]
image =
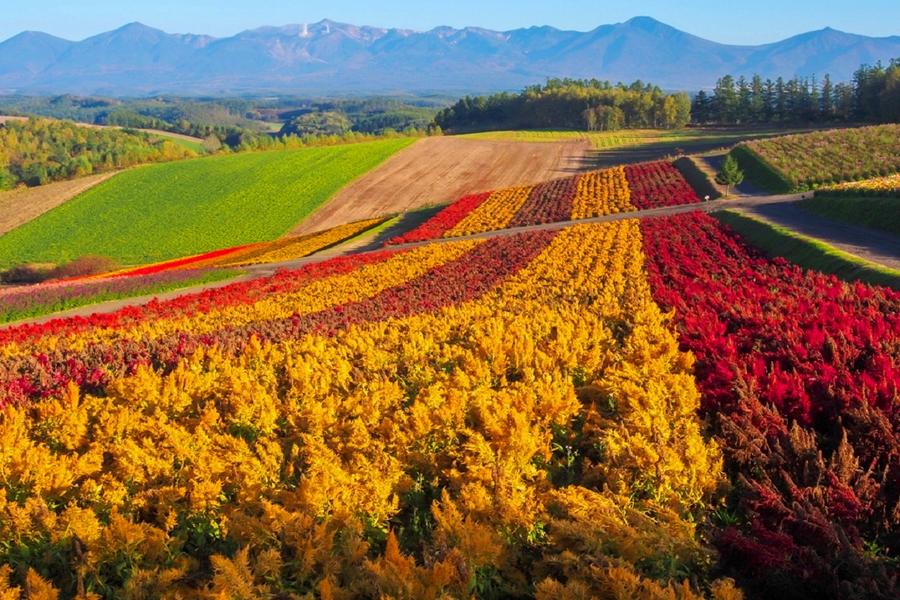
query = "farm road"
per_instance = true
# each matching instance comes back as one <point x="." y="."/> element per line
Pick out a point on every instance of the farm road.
<point x="868" y="244"/>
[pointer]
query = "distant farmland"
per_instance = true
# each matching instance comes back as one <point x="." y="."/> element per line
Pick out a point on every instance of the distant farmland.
<point x="165" y="211"/>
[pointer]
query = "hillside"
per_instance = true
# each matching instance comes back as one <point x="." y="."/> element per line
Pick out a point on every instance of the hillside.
<point x="177" y="209"/>
<point x="137" y="59"/>
<point x="818" y="159"/>
<point x="35" y="152"/>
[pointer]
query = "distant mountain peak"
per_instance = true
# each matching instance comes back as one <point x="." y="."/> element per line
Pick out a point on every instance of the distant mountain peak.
<point x="333" y="57"/>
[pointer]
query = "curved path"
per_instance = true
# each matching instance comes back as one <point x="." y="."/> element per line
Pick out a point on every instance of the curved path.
<point x="870" y="245"/>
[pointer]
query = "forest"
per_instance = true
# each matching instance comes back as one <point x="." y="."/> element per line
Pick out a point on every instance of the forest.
<point x="38" y="151"/>
<point x="591" y="105"/>
<point x="240" y="123"/>
<point x="872" y="95"/>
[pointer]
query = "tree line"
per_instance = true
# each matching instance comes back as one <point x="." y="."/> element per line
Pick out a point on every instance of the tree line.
<point x="872" y="95"/>
<point x="582" y="104"/>
<point x="38" y="151"/>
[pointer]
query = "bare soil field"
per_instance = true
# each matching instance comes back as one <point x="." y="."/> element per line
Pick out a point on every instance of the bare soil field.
<point x="441" y="169"/>
<point x="20" y="206"/>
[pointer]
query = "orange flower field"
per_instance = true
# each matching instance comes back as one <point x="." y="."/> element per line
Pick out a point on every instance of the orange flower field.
<point x="511" y="417"/>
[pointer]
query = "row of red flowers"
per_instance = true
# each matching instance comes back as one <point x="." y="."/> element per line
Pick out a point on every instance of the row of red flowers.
<point x="549" y="202"/>
<point x="800" y="375"/>
<point x="444" y="221"/>
<point x="658" y="184"/>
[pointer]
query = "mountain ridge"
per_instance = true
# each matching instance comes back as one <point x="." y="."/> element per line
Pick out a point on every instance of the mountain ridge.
<point x="329" y="56"/>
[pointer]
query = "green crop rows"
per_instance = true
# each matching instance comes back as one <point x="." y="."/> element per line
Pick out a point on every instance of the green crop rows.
<point x="166" y="211"/>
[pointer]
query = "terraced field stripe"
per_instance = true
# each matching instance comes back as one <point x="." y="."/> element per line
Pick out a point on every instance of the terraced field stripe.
<point x="602" y="193"/>
<point x="48" y="334"/>
<point x="465" y="278"/>
<point x="656" y="184"/>
<point x="549" y="202"/>
<point x="444" y="221"/>
<point x="494" y="213"/>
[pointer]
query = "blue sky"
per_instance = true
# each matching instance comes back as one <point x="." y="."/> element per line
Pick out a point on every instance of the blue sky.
<point x="754" y="22"/>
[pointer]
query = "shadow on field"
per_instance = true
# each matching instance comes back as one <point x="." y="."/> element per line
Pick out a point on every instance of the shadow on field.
<point x="407" y="222"/>
<point x="603" y="159"/>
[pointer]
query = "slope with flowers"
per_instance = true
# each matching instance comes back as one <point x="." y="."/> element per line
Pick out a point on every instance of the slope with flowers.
<point x="592" y="194"/>
<point x="510" y="417"/>
<point x="202" y="269"/>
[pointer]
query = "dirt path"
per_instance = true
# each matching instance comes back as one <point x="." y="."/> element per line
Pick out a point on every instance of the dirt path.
<point x="874" y="246"/>
<point x="442" y="169"/>
<point x="20" y="206"/>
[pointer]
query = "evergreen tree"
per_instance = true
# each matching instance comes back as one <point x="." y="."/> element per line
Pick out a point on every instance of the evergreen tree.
<point x="730" y="173"/>
<point x="780" y="100"/>
<point x="827" y="104"/>
<point x="757" y="100"/>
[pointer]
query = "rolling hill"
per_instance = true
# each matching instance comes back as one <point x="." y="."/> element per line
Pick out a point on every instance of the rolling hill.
<point x="136" y="59"/>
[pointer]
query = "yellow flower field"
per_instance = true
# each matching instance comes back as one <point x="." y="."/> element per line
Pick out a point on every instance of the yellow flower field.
<point x="541" y="439"/>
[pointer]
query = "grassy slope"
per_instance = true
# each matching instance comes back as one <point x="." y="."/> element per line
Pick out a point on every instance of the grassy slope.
<point x="877" y="212"/>
<point x="195" y="146"/>
<point x="166" y="211"/>
<point x="808" y="252"/>
<point x="760" y="172"/>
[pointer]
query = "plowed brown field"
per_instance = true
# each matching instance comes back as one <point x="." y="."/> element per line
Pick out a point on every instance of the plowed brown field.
<point x="20" y="206"/>
<point x="441" y="169"/>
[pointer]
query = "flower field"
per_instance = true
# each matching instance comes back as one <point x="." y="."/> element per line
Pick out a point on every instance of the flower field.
<point x="823" y="158"/>
<point x="593" y="194"/>
<point x="33" y="301"/>
<point x="520" y="416"/>
<point x="800" y="374"/>
<point x="877" y="186"/>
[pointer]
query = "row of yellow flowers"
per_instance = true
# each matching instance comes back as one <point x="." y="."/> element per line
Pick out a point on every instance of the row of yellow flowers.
<point x="596" y="193"/>
<point x="602" y="193"/>
<point x="541" y="440"/>
<point x="889" y="185"/>
<point x="494" y="213"/>
<point x="292" y="248"/>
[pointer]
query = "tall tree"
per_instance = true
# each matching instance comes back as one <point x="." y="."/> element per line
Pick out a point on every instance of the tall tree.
<point x="730" y="173"/>
<point x="827" y="103"/>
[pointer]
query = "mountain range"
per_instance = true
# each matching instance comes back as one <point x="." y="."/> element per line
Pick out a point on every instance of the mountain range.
<point x="330" y="57"/>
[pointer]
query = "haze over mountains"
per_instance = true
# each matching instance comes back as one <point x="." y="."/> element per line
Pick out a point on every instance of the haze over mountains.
<point x="329" y="57"/>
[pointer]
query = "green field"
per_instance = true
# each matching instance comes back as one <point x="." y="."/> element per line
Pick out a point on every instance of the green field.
<point x="189" y="144"/>
<point x="625" y="138"/>
<point x="807" y="252"/>
<point x="177" y="209"/>
<point x="871" y="211"/>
